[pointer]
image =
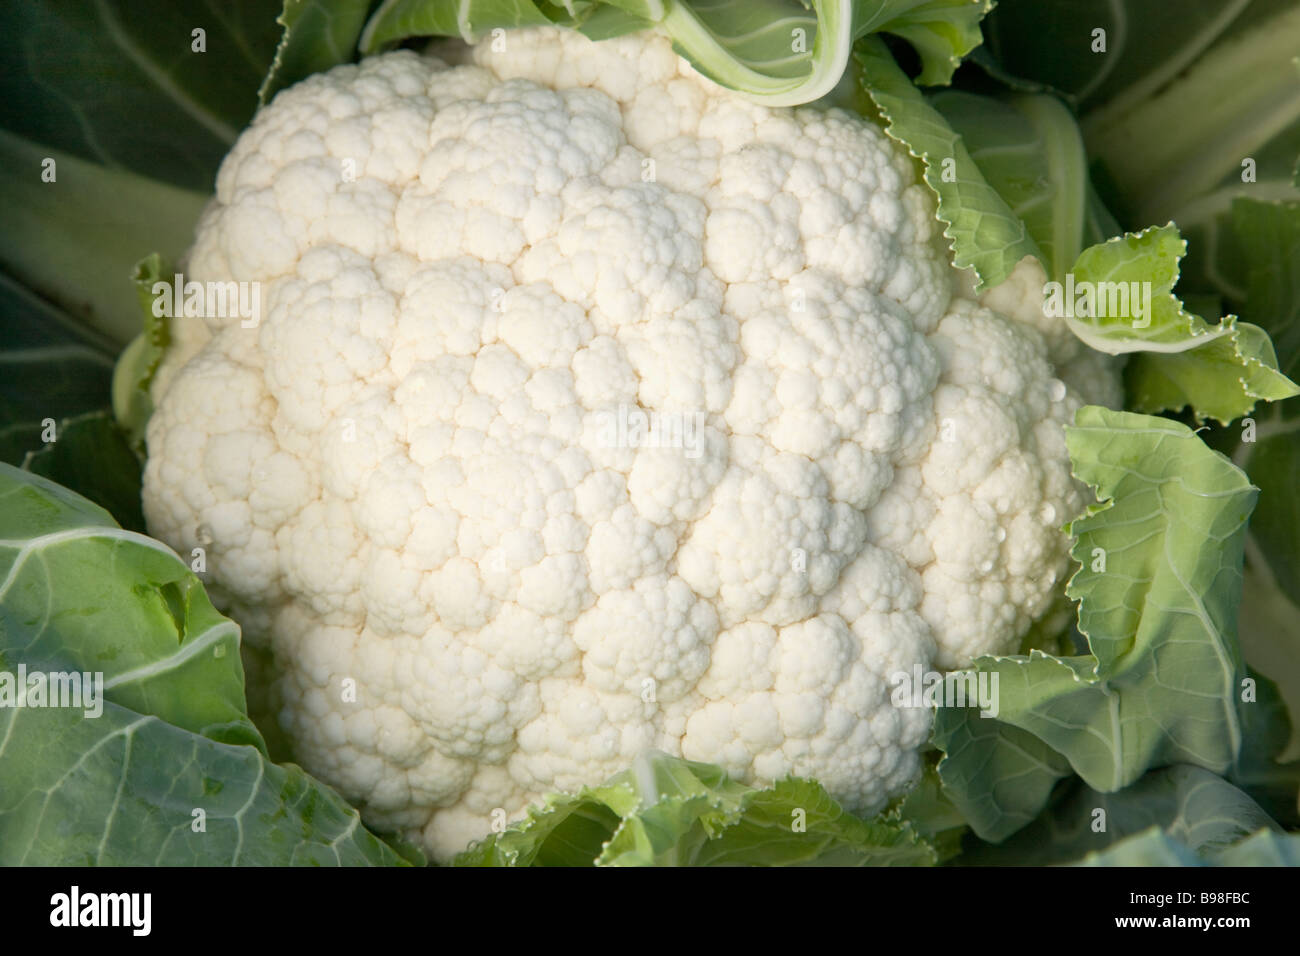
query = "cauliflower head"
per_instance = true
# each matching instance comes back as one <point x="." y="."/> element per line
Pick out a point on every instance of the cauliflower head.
<point x="593" y="408"/>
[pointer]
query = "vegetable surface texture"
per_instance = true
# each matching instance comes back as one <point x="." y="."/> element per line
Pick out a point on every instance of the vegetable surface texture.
<point x="601" y="409"/>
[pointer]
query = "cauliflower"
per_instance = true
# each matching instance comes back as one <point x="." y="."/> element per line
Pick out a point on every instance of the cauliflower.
<point x="594" y="408"/>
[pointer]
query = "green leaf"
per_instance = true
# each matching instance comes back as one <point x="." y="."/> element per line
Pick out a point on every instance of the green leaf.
<point x="929" y="808"/>
<point x="998" y="776"/>
<point x="1267" y="446"/>
<point x="1145" y="48"/>
<point x="984" y="233"/>
<point x="1263" y="768"/>
<point x="115" y="775"/>
<point x="93" y="457"/>
<point x="53" y="391"/>
<point x="50" y="370"/>
<point x="1191" y="136"/>
<point x="763" y="835"/>
<point x="751" y="46"/>
<point x="1154" y="847"/>
<point x="1158" y="588"/>
<point x="1028" y="150"/>
<point x="1119" y="299"/>
<point x="604" y="21"/>
<point x="318" y="35"/>
<point x="76" y="240"/>
<point x="1274" y="463"/>
<point x="784" y="52"/>
<point x="1266" y="848"/>
<point x="1270" y="618"/>
<point x="126" y="789"/>
<point x="78" y="593"/>
<point x="1200" y="810"/>
<point x="1222" y="379"/>
<point x="1172" y="108"/>
<point x="122" y="84"/>
<point x="664" y="811"/>
<point x="1269" y="235"/>
<point x="139" y="361"/>
<point x="396" y="20"/>
<point x="1160" y="555"/>
<point x="1270" y="635"/>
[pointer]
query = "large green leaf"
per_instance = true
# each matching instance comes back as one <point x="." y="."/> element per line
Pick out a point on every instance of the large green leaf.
<point x="124" y="85"/>
<point x="1172" y="108"/>
<point x="318" y="35"/>
<point x="1268" y="448"/>
<point x="1154" y="847"/>
<point x="93" y="457"/>
<point x="984" y="232"/>
<point x="1028" y="149"/>
<point x="126" y="789"/>
<point x="664" y="811"/>
<point x="76" y="240"/>
<point x="116" y="776"/>
<point x="50" y="369"/>
<point x="1266" y="848"/>
<point x="1145" y="48"/>
<point x="1269" y="235"/>
<point x="78" y="593"/>
<point x="1265" y="768"/>
<point x="999" y="776"/>
<point x="1199" y="809"/>
<point x="395" y="20"/>
<point x="1158" y="586"/>
<point x="930" y="810"/>
<point x="785" y="52"/>
<point x="54" y="379"/>
<point x="1240" y="99"/>
<point x="1119" y="299"/>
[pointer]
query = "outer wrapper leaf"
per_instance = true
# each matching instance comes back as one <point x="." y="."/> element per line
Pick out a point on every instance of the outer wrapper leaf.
<point x="1221" y="371"/>
<point x="998" y="776"/>
<point x="93" y="457"/>
<point x="126" y="85"/>
<point x="1162" y="682"/>
<point x="1268" y="447"/>
<point x="77" y="593"/>
<point x="318" y="35"/>
<point x="77" y="239"/>
<point x="139" y="361"/>
<point x="122" y="790"/>
<point x="985" y="234"/>
<point x="1200" y="810"/>
<point x="165" y="768"/>
<point x="1172" y="107"/>
<point x="1028" y="149"/>
<point x="1154" y="847"/>
<point x="781" y="52"/>
<point x="49" y="370"/>
<point x="665" y="811"/>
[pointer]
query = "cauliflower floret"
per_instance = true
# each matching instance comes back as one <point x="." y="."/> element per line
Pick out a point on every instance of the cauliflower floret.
<point x="594" y="408"/>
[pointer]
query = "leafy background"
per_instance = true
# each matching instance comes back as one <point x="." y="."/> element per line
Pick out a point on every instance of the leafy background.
<point x="136" y="124"/>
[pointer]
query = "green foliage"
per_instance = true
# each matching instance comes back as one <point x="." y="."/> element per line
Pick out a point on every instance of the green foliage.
<point x="118" y="778"/>
<point x="785" y="52"/>
<point x="318" y="35"/>
<point x="985" y="233"/>
<point x="1201" y="811"/>
<point x="1158" y="608"/>
<point x="665" y="811"/>
<point x="1150" y="721"/>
